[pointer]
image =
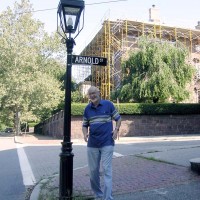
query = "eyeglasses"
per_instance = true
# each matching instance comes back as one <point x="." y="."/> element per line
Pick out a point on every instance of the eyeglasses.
<point x="92" y="93"/>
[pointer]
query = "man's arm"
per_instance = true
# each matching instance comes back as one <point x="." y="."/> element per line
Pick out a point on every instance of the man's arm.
<point x="116" y="131"/>
<point x="85" y="133"/>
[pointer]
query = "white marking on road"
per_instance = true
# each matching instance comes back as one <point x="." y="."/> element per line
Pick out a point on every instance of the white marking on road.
<point x="27" y="173"/>
<point x="114" y="154"/>
<point x="160" y="191"/>
<point x="117" y="154"/>
<point x="80" y="167"/>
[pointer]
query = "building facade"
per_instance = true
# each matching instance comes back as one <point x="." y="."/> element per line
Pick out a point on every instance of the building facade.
<point x="116" y="38"/>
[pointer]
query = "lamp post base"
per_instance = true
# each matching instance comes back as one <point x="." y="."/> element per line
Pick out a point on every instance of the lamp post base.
<point x="66" y="172"/>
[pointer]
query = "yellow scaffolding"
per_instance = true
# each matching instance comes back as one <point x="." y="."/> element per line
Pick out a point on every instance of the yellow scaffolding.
<point x="116" y="38"/>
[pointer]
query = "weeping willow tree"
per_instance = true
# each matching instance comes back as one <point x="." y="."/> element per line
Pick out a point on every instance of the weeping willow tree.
<point x="156" y="72"/>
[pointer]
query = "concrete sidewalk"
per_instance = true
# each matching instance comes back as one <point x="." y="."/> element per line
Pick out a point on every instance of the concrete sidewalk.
<point x="135" y="177"/>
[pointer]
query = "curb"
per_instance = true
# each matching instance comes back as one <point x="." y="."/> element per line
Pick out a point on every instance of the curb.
<point x="36" y="190"/>
<point x="195" y="165"/>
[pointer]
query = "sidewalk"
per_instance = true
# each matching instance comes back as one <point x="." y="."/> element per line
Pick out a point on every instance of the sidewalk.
<point x="134" y="177"/>
<point x="130" y="175"/>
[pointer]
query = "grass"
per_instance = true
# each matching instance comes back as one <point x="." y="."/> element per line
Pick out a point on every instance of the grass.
<point x="49" y="192"/>
<point x="154" y="159"/>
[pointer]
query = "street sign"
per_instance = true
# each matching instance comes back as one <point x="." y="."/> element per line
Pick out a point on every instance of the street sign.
<point x="89" y="60"/>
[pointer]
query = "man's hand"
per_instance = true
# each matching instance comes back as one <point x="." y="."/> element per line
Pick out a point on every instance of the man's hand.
<point x="115" y="134"/>
<point x="86" y="137"/>
<point x="116" y="131"/>
<point x="85" y="133"/>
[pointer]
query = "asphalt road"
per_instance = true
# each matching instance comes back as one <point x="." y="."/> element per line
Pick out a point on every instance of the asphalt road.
<point x="22" y="165"/>
<point x="11" y="180"/>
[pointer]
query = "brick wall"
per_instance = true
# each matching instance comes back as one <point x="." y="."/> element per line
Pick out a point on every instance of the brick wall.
<point x="158" y="125"/>
<point x="132" y="125"/>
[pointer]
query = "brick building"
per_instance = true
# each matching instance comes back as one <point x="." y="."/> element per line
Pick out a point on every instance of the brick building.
<point x="116" y="38"/>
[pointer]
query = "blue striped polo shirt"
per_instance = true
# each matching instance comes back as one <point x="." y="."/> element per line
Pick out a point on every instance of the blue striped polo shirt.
<point x="99" y="120"/>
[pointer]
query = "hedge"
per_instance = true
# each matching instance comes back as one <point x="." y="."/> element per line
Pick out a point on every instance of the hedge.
<point x="146" y="109"/>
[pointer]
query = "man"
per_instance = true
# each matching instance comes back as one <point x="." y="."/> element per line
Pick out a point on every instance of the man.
<point x="98" y="116"/>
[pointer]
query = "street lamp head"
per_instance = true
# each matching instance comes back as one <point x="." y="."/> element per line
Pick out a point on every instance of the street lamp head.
<point x="69" y="13"/>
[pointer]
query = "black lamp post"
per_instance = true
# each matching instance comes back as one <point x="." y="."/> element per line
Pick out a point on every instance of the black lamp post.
<point x="69" y="13"/>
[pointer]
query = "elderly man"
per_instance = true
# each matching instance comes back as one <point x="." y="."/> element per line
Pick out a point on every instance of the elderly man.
<point x="99" y="134"/>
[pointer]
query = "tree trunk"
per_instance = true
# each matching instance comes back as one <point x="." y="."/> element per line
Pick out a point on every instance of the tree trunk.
<point x="17" y="122"/>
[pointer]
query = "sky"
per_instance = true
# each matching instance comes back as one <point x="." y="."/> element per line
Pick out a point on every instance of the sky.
<point x="177" y="13"/>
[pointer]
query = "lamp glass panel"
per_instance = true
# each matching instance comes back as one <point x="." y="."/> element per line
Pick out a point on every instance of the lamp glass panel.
<point x="70" y="20"/>
<point x="71" y="11"/>
<point x="62" y="21"/>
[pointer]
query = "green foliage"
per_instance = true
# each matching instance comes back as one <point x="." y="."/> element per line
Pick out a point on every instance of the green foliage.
<point x="78" y="108"/>
<point x="77" y="97"/>
<point x="156" y="72"/>
<point x="2" y="126"/>
<point x="32" y="124"/>
<point x="31" y="66"/>
<point x="74" y="86"/>
<point x="145" y="108"/>
<point x="158" y="109"/>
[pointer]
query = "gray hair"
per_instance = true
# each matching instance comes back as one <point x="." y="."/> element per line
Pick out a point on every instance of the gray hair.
<point x="93" y="88"/>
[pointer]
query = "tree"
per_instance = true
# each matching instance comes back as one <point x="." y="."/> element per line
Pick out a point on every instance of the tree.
<point x="30" y="66"/>
<point x="157" y="71"/>
<point x="77" y="97"/>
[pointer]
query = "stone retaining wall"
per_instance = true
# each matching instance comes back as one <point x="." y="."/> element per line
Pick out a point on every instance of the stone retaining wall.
<point x="132" y="125"/>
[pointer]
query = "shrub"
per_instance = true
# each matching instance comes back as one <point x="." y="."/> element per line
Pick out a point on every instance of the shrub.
<point x="146" y="108"/>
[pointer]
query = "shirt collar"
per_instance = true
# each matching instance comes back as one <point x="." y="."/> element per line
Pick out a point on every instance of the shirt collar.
<point x="100" y="104"/>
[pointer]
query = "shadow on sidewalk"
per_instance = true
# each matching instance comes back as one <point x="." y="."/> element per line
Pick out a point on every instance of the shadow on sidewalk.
<point x="130" y="174"/>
